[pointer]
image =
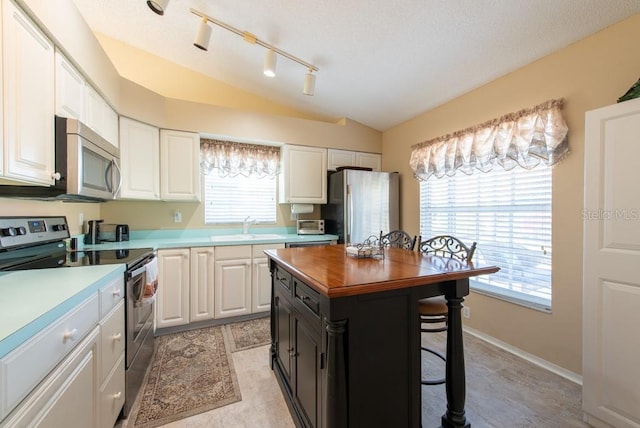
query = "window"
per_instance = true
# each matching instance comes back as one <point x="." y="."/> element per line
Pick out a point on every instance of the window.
<point x="232" y="199"/>
<point x="508" y="214"/>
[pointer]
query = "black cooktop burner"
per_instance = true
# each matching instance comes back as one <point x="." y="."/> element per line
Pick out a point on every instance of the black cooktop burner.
<point x="54" y="255"/>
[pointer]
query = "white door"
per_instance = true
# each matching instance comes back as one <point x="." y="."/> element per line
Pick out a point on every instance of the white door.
<point x="180" y="165"/>
<point x="233" y="288"/>
<point x="261" y="284"/>
<point x="69" y="89"/>
<point x="611" y="339"/>
<point x="140" y="157"/>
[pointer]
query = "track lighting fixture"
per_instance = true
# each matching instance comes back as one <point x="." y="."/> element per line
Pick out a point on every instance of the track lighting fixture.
<point x="309" y="83"/>
<point x="158" y="6"/>
<point x="204" y="34"/>
<point x="270" y="59"/>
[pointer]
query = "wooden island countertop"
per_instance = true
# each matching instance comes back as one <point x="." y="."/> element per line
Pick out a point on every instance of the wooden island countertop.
<point x="334" y="274"/>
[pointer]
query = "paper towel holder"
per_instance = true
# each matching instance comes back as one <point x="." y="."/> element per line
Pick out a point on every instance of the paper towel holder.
<point x="301" y="208"/>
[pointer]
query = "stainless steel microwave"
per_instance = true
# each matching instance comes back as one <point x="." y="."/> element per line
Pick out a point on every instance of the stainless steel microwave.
<point x="310" y="227"/>
<point x="87" y="167"/>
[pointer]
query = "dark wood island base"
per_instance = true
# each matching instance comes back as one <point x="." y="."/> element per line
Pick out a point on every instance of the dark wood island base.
<point x="346" y="335"/>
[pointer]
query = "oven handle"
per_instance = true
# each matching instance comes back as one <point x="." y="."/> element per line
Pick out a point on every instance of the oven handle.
<point x="140" y="269"/>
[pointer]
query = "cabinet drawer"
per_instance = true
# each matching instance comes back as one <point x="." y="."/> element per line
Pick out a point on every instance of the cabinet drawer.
<point x="111" y="340"/>
<point x="112" y="395"/>
<point x="306" y="299"/>
<point x="110" y="295"/>
<point x="283" y="279"/>
<point x="22" y="369"/>
<point x="257" y="251"/>
<point x="233" y="252"/>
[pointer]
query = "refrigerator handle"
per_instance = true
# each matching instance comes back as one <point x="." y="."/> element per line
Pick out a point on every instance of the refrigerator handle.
<point x="349" y="222"/>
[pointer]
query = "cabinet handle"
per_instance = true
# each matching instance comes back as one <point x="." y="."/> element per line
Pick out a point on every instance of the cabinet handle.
<point x="116" y="292"/>
<point x="70" y="335"/>
<point x="117" y="395"/>
<point x="303" y="298"/>
<point x="117" y="336"/>
<point x="56" y="176"/>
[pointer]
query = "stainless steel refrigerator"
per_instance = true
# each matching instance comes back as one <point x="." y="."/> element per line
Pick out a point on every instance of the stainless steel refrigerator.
<point x="361" y="204"/>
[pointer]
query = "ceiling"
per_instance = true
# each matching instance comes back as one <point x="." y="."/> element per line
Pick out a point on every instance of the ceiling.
<point x="380" y="62"/>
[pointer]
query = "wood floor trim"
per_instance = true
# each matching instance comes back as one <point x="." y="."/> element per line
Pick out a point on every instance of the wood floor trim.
<point x="560" y="371"/>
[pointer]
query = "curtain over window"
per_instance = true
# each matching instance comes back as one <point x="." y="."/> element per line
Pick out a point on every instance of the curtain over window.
<point x="232" y="159"/>
<point x="524" y="138"/>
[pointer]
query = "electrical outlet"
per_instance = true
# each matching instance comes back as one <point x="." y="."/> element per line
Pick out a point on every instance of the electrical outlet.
<point x="81" y="220"/>
<point x="466" y="311"/>
<point x="177" y="217"/>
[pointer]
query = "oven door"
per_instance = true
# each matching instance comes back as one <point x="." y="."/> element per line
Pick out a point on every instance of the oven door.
<point x="139" y="314"/>
<point x="92" y="171"/>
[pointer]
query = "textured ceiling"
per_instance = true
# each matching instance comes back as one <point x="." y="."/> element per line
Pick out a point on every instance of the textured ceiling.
<point x="381" y="62"/>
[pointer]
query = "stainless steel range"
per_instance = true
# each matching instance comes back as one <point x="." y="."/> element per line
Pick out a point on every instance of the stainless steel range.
<point x="38" y="243"/>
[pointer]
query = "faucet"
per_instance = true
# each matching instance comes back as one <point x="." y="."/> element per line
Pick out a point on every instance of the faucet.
<point x="246" y="224"/>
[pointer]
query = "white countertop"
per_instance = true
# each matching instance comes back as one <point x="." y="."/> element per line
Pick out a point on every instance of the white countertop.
<point x="32" y="299"/>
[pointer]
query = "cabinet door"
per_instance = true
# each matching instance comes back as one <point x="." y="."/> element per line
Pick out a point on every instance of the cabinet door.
<point x="201" y="284"/>
<point x="338" y="158"/>
<point x="303" y="178"/>
<point x="232" y="288"/>
<point x="111" y="129"/>
<point x="172" y="306"/>
<point x="611" y="378"/>
<point x="180" y="165"/>
<point x="69" y="89"/>
<point x="261" y="285"/>
<point x="93" y="114"/>
<point x="29" y="81"/>
<point x="283" y="321"/>
<point x="307" y="370"/>
<point x="369" y="160"/>
<point x="140" y="157"/>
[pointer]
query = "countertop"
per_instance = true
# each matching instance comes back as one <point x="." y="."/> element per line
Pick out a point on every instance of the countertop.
<point x="31" y="300"/>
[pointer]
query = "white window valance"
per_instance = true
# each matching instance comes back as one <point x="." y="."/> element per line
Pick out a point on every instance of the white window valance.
<point x="231" y="159"/>
<point x="524" y="138"/>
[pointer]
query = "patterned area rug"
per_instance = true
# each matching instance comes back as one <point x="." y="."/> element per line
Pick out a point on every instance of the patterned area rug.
<point x="192" y="372"/>
<point x="249" y="334"/>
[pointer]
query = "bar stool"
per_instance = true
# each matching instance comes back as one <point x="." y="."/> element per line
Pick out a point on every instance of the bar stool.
<point x="434" y="310"/>
<point x="398" y="239"/>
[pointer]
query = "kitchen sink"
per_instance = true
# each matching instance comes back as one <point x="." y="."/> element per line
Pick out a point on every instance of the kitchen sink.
<point x="245" y="237"/>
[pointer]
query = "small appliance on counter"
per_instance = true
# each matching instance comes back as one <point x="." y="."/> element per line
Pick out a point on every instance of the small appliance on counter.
<point x="310" y="227"/>
<point x="92" y="235"/>
<point x="114" y="232"/>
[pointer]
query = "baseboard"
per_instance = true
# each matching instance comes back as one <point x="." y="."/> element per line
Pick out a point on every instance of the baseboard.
<point x="560" y="371"/>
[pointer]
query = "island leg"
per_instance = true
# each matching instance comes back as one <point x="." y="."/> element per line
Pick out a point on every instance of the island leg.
<point x="455" y="374"/>
<point x="336" y="375"/>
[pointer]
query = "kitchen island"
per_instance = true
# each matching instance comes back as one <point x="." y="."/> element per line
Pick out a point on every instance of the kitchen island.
<point x="346" y="334"/>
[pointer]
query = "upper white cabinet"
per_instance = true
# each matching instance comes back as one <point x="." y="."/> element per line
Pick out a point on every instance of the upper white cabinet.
<point x="338" y="158"/>
<point x="28" y="103"/>
<point x="70" y="91"/>
<point x="140" y="157"/>
<point x="180" y="165"/>
<point x="303" y="175"/>
<point x="100" y="117"/>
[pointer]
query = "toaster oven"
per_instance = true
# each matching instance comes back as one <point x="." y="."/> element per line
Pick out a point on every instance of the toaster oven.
<point x="310" y="227"/>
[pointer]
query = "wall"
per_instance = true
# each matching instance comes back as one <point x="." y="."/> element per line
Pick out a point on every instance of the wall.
<point x="20" y="207"/>
<point x="589" y="74"/>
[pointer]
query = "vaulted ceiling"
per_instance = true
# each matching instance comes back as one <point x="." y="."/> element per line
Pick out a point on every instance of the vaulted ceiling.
<point x="380" y="62"/>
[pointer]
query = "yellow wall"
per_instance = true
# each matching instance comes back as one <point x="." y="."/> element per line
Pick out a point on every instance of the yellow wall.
<point x="19" y="207"/>
<point x="589" y="74"/>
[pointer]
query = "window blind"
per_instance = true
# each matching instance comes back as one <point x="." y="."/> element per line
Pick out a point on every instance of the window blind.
<point x="232" y="199"/>
<point x="508" y="214"/>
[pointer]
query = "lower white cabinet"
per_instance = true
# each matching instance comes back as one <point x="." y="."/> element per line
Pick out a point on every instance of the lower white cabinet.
<point x="232" y="281"/>
<point x="261" y="278"/>
<point x="71" y="374"/>
<point x="172" y="299"/>
<point x="201" y="286"/>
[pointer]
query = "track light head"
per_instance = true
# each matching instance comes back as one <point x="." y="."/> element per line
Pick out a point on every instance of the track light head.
<point x="270" y="59"/>
<point x="309" y="83"/>
<point x="203" y="35"/>
<point x="158" y="6"/>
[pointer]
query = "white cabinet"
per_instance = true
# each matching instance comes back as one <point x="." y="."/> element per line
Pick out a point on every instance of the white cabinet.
<point x="180" y="165"/>
<point x="338" y="158"/>
<point x="611" y="255"/>
<point x="111" y="374"/>
<point x="70" y="91"/>
<point x="261" y="278"/>
<point x="232" y="281"/>
<point x="303" y="175"/>
<point x="28" y="103"/>
<point x="140" y="157"/>
<point x="201" y="284"/>
<point x="172" y="299"/>
<point x="99" y="116"/>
